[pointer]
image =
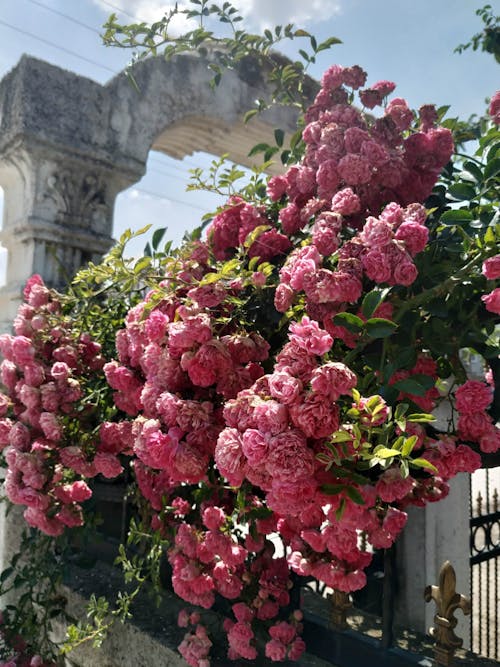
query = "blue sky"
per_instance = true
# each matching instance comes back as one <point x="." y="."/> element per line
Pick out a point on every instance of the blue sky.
<point x="406" y="41"/>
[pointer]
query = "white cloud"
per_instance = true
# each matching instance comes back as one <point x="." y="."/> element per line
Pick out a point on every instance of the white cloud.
<point x="258" y="14"/>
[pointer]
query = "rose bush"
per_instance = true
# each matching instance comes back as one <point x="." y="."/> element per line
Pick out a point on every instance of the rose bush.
<point x="273" y="383"/>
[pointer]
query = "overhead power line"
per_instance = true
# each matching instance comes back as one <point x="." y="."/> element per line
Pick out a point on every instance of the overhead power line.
<point x="171" y="199"/>
<point x="65" y="16"/>
<point x="120" y="9"/>
<point x="56" y="46"/>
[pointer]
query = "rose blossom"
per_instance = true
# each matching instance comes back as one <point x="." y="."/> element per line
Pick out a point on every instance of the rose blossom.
<point x="472" y="397"/>
<point x="229" y="456"/>
<point x="289" y="458"/>
<point x="491" y="267"/>
<point x="492" y="301"/>
<point x="310" y="337"/>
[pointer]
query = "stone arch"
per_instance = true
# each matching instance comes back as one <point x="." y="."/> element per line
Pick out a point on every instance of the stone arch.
<point x="69" y="145"/>
<point x="178" y="111"/>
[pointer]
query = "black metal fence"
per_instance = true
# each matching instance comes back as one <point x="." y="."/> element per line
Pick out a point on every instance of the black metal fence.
<point x="484" y="561"/>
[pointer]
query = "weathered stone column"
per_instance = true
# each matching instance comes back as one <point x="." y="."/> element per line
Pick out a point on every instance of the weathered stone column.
<point x="58" y="215"/>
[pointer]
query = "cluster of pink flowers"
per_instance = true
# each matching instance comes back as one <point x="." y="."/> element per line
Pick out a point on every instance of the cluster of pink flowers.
<point x="382" y="253"/>
<point x="369" y="161"/>
<point x="491" y="271"/>
<point x="195" y="647"/>
<point x="236" y="441"/>
<point x="472" y="399"/>
<point x="44" y="370"/>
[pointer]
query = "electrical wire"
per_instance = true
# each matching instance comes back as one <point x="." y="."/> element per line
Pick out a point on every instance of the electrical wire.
<point x="65" y="16"/>
<point x="55" y="46"/>
<point x="171" y="199"/>
<point x="120" y="9"/>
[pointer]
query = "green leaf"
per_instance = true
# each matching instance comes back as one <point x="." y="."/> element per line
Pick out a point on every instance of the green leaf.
<point x="407" y="358"/>
<point x="341" y="436"/>
<point x="295" y="138"/>
<point x="355" y="495"/>
<point x="410" y="386"/>
<point x="378" y="327"/>
<point x="408" y="445"/>
<point x="373" y="300"/>
<point x="417" y="417"/>
<point x="473" y="169"/>
<point x="142" y="264"/>
<point x="254" y="234"/>
<point x="400" y="410"/>
<point x="332" y="489"/>
<point x="456" y="217"/>
<point x="250" y="114"/>
<point x="423" y="463"/>
<point x="157" y="237"/>
<point x="331" y="41"/>
<point x="301" y="33"/>
<point x="492" y="168"/>
<point x="425" y="380"/>
<point x="351" y="322"/>
<point x="279" y="136"/>
<point x="462" y="191"/>
<point x="258" y="148"/>
<point x="386" y="453"/>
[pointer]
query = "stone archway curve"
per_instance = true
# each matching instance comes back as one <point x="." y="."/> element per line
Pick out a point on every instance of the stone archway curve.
<point x="177" y="111"/>
<point x="69" y="146"/>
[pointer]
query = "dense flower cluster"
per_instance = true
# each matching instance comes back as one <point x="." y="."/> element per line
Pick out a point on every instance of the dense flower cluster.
<point x="44" y="370"/>
<point x="271" y="426"/>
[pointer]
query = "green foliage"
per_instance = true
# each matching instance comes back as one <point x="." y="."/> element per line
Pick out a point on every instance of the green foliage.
<point x="33" y="580"/>
<point x="488" y="39"/>
<point x="253" y="55"/>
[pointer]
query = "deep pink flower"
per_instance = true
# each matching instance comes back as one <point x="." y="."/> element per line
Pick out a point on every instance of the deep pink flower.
<point x="491" y="267"/>
<point x="414" y="235"/>
<point x="473" y="396"/>
<point x="310" y="337"/>
<point x="494" y="108"/>
<point x="346" y="202"/>
<point x="289" y="458"/>
<point x="492" y="301"/>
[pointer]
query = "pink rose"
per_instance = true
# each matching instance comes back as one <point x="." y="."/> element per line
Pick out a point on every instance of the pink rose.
<point x="275" y="650"/>
<point x="492" y="301"/>
<point x="346" y="202"/>
<point x="472" y="397"/>
<point x="333" y="379"/>
<point x="376" y="233"/>
<point x="494" y="108"/>
<point x="271" y="417"/>
<point x="229" y="456"/>
<point x="473" y="426"/>
<point x="377" y="266"/>
<point x="491" y="267"/>
<point x="316" y="416"/>
<point x="354" y="170"/>
<point x="289" y="458"/>
<point x="405" y="273"/>
<point x="255" y="446"/>
<point x="310" y="337"/>
<point x="414" y="235"/>
<point x="284" y="387"/>
<point x="490" y="441"/>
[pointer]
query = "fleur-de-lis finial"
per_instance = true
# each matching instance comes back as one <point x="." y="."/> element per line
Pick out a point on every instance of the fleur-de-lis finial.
<point x="447" y="602"/>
